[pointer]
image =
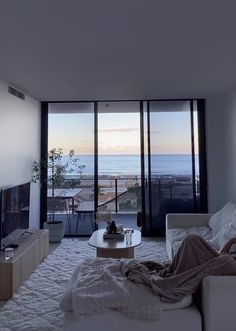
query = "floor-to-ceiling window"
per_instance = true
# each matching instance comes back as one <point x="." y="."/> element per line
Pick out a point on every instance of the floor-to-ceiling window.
<point x="143" y="157"/>
<point x="172" y="167"/>
<point x="71" y="129"/>
<point x="119" y="168"/>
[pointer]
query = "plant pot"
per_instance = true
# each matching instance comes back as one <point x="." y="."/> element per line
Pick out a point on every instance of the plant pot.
<point x="56" y="230"/>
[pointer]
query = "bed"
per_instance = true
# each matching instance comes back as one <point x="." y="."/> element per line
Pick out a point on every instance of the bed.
<point x="89" y="303"/>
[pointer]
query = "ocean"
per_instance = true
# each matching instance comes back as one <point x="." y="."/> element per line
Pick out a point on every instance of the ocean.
<point x="120" y="165"/>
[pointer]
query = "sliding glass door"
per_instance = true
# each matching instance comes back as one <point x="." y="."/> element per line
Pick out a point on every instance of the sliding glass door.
<point x="71" y="130"/>
<point x="119" y="169"/>
<point x="145" y="158"/>
<point x="172" y="163"/>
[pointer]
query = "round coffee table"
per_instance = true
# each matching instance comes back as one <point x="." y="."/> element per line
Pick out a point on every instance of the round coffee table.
<point x="115" y="248"/>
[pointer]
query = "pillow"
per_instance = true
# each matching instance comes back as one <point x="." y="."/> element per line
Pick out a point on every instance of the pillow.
<point x="226" y="233"/>
<point x="222" y="217"/>
<point x="214" y="223"/>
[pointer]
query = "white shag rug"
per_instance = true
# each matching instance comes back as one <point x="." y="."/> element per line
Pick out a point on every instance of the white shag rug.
<point x="35" y="306"/>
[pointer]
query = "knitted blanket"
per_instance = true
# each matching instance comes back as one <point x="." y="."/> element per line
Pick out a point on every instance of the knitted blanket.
<point x="100" y="285"/>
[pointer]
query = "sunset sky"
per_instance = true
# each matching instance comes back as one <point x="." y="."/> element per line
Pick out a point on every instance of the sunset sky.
<point x="118" y="133"/>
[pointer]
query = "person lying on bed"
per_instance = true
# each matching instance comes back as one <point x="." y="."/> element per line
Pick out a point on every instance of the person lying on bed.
<point x="99" y="285"/>
<point x="194" y="260"/>
<point x="193" y="251"/>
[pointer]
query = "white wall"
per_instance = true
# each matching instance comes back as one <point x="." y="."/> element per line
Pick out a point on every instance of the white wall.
<point x="230" y="149"/>
<point x="221" y="150"/>
<point x="19" y="144"/>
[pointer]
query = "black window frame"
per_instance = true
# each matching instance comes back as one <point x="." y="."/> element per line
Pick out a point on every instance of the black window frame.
<point x="201" y="142"/>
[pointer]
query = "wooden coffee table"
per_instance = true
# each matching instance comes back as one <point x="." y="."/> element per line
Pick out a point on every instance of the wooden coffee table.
<point x="113" y="247"/>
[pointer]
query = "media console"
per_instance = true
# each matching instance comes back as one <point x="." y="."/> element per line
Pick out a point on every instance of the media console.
<point x="32" y="249"/>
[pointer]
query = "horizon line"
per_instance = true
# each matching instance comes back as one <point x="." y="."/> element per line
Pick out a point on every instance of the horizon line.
<point x="139" y="154"/>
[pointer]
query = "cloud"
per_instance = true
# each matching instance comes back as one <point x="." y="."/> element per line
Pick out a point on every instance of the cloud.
<point x="155" y="131"/>
<point x="119" y="130"/>
<point x="117" y="149"/>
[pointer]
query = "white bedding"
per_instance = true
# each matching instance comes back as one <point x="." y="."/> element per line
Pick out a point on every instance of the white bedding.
<point x="98" y="286"/>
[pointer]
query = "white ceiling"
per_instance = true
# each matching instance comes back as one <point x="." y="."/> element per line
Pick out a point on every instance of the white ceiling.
<point x="118" y="49"/>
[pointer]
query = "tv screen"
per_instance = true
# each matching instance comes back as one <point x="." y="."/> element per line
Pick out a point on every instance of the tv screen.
<point x="15" y="203"/>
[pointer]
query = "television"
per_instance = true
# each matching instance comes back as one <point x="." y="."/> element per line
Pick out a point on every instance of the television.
<point x="14" y="216"/>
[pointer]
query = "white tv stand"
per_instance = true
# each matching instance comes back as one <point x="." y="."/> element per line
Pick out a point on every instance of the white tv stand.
<point x="32" y="249"/>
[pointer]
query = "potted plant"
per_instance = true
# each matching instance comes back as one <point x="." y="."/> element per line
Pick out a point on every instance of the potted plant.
<point x="56" y="178"/>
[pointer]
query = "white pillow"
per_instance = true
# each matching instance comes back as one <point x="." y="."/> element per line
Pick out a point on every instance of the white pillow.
<point x="224" y="216"/>
<point x="226" y="233"/>
<point x="214" y="223"/>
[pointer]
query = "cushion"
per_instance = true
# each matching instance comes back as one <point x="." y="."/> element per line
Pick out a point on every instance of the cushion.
<point x="222" y="217"/>
<point x="227" y="232"/>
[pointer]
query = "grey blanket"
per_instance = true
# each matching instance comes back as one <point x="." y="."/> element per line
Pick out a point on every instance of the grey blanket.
<point x="175" y="287"/>
<point x="194" y="260"/>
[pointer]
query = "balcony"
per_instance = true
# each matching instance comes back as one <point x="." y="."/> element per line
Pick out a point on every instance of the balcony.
<point x="119" y="196"/>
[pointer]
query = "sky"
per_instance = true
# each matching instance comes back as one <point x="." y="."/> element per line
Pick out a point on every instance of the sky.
<point x="118" y="133"/>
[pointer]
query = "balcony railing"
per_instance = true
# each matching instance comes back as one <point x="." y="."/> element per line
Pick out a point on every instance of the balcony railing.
<point x="121" y="194"/>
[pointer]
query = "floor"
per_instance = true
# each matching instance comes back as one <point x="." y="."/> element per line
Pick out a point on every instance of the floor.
<point x="129" y="222"/>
